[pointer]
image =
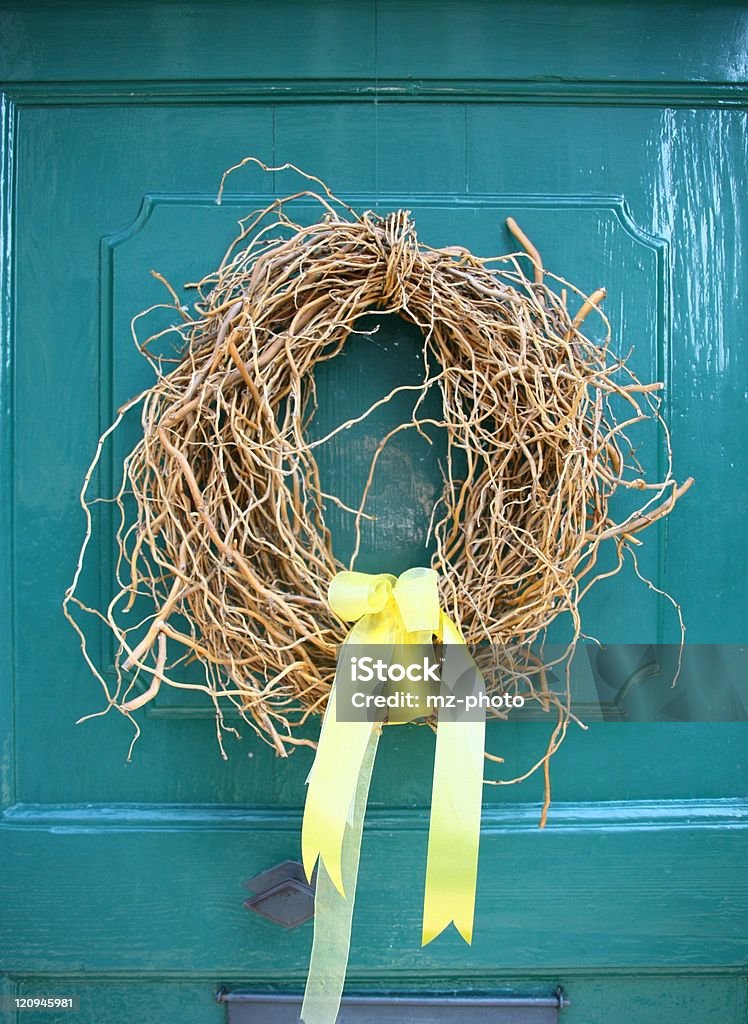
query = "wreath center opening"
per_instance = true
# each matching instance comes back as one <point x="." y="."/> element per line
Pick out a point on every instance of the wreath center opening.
<point x="383" y="353"/>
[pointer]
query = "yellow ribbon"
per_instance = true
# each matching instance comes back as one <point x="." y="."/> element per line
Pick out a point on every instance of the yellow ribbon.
<point x="394" y="613"/>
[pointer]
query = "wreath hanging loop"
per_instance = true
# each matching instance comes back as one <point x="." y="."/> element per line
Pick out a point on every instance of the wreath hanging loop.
<point x="225" y="555"/>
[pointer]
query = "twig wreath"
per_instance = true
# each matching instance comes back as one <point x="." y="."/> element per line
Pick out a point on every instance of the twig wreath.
<point x="222" y="531"/>
<point x="228" y="541"/>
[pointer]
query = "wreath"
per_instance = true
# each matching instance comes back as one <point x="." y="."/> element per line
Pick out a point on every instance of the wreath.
<point x="223" y="534"/>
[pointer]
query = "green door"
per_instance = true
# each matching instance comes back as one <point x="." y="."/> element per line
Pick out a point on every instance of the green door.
<point x="615" y="134"/>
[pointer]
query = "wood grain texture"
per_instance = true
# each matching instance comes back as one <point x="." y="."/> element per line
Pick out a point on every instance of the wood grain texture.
<point x="336" y="39"/>
<point x="670" y="878"/>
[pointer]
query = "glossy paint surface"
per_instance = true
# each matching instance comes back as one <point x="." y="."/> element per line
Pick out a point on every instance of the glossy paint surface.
<point x="623" y="154"/>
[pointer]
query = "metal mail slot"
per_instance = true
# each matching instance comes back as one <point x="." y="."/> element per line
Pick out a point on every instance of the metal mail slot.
<point x="256" y="1008"/>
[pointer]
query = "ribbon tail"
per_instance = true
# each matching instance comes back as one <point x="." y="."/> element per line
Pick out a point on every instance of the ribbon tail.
<point x="457" y="795"/>
<point x="333" y="912"/>
<point x="332" y="827"/>
<point x="332" y="786"/>
<point x="333" y="780"/>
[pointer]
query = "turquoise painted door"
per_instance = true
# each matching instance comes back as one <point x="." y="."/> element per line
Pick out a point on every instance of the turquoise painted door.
<point x="616" y="135"/>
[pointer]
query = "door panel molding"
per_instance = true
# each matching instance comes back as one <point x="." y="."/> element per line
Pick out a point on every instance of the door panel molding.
<point x="447" y="90"/>
<point x="610" y="816"/>
<point x="7" y="335"/>
<point x="604" y="222"/>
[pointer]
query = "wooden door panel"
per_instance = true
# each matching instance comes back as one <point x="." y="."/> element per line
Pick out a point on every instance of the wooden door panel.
<point x="593" y="237"/>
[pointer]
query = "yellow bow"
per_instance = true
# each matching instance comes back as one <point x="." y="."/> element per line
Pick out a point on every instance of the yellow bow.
<point x="396" y="613"/>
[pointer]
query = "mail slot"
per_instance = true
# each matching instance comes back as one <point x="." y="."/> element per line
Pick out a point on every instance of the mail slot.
<point x="256" y="1008"/>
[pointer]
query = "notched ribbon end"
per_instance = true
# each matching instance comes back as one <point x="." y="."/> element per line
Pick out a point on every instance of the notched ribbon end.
<point x="311" y="856"/>
<point x="309" y="861"/>
<point x="433" y="931"/>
